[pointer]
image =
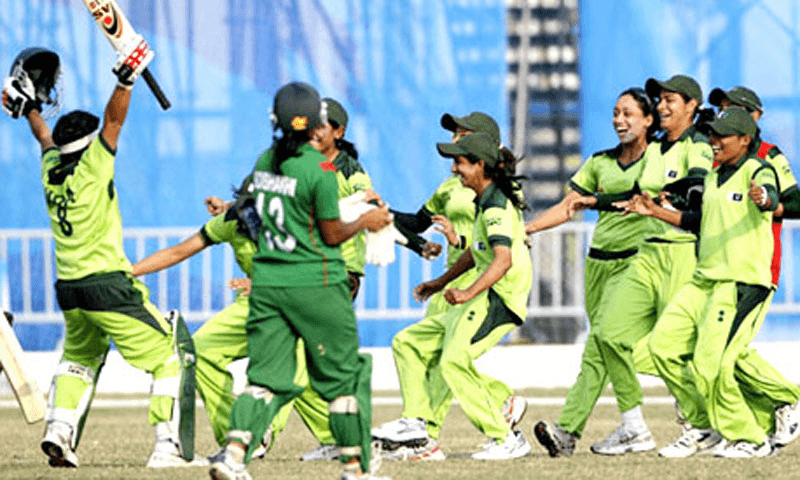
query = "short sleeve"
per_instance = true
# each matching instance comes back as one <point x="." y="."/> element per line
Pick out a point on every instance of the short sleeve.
<point x="499" y="224"/>
<point x="586" y="177"/>
<point x="435" y="204"/>
<point x="326" y="196"/>
<point x="699" y="156"/>
<point x="218" y="230"/>
<point x="766" y="176"/>
<point x="784" y="171"/>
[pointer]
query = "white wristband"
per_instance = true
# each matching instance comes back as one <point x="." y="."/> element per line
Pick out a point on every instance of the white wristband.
<point x="764" y="198"/>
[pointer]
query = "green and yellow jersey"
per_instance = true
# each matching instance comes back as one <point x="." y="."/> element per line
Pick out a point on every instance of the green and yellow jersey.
<point x="666" y="162"/>
<point x="498" y="222"/>
<point x="456" y="202"/>
<point x="603" y="173"/>
<point x="222" y="228"/>
<point x="291" y="252"/>
<point x="351" y="179"/>
<point x="735" y="234"/>
<point x="84" y="212"/>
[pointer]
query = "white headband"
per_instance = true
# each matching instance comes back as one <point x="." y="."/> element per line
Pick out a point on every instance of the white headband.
<point x="78" y="144"/>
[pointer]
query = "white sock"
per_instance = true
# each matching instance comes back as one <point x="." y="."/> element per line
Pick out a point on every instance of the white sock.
<point x="633" y="418"/>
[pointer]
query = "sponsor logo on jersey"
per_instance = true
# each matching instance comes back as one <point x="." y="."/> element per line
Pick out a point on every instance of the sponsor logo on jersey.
<point x="275" y="183"/>
<point x="672" y="174"/>
<point x="490" y="222"/>
<point x="735" y="197"/>
<point x="480" y="246"/>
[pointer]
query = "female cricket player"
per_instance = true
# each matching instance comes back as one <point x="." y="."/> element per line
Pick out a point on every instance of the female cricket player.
<point x="615" y="241"/>
<point x="300" y="290"/>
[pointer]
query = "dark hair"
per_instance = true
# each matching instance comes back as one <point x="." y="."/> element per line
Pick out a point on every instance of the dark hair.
<point x="287" y="146"/>
<point x="648" y="107"/>
<point x="504" y="178"/>
<point x="703" y="117"/>
<point x="343" y="144"/>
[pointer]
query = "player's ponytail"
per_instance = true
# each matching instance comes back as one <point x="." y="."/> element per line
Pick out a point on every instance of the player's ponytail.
<point x="504" y="178"/>
<point x="343" y="144"/>
<point x="286" y="147"/>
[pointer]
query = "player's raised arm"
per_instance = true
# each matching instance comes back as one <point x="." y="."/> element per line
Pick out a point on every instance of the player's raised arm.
<point x="169" y="256"/>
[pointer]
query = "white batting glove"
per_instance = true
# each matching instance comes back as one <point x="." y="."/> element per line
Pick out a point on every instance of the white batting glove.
<point x="18" y="96"/>
<point x="134" y="57"/>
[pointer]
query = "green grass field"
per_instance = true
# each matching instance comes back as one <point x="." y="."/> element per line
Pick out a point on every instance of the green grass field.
<point x="116" y="444"/>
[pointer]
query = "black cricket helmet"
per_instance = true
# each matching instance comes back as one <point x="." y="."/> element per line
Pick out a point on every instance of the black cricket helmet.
<point x="43" y="68"/>
<point x="297" y="107"/>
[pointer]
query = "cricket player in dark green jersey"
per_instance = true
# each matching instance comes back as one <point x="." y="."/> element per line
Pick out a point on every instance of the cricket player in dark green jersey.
<point x="426" y="396"/>
<point x="99" y="298"/>
<point x="615" y="241"/>
<point x="300" y="290"/>
<point x="713" y="318"/>
<point x="664" y="262"/>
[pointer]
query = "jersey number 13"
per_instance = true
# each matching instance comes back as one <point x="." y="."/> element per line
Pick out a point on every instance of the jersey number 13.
<point x="280" y="239"/>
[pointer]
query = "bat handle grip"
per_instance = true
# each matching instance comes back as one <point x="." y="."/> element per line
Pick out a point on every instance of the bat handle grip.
<point x="156" y="89"/>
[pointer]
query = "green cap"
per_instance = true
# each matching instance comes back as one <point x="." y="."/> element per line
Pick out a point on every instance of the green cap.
<point x="742" y="96"/>
<point x="336" y="112"/>
<point x="475" y="121"/>
<point x="733" y="121"/>
<point x="478" y="145"/>
<point x="678" y="83"/>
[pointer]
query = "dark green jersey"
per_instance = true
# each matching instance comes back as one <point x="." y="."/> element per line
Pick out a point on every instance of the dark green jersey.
<point x="666" y="162"/>
<point x="603" y="173"/>
<point x="456" y="202"/>
<point x="735" y="235"/>
<point x="223" y="228"/>
<point x="352" y="178"/>
<point x="84" y="212"/>
<point x="498" y="222"/>
<point x="291" y="252"/>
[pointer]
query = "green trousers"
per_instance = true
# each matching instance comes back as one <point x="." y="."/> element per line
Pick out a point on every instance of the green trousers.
<point x="434" y="359"/>
<point x="711" y="322"/>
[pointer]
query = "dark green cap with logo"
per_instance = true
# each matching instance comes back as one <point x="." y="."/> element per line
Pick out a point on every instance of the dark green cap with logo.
<point x="733" y="121"/>
<point x="476" y="145"/>
<point x="742" y="96"/>
<point x="678" y="83"/>
<point x="336" y="112"/>
<point x="475" y="122"/>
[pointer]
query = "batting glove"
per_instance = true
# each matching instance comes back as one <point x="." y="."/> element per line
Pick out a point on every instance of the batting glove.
<point x="19" y="96"/>
<point x="132" y="60"/>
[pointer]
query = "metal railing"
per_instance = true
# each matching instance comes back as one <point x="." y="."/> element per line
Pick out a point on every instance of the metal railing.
<point x="198" y="287"/>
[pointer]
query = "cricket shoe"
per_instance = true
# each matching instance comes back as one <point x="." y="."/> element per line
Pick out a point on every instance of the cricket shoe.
<point x="557" y="441"/>
<point x="692" y="440"/>
<point x="403" y="432"/>
<point x="166" y="454"/>
<point x="265" y="445"/>
<point x="743" y="449"/>
<point x="322" y="452"/>
<point x="626" y="440"/>
<point x="430" y="451"/>
<point x="514" y="446"/>
<point x="514" y="408"/>
<point x="787" y="424"/>
<point x="57" y="445"/>
<point x="228" y="468"/>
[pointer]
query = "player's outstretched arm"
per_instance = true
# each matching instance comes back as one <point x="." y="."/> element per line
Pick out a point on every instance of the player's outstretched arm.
<point x="169" y="256"/>
<point x="40" y="130"/>
<point x="335" y="231"/>
<point x="553" y="216"/>
<point x="114" y="117"/>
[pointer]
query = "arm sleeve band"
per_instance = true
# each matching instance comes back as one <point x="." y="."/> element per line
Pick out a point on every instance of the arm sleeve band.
<point x="408" y="222"/>
<point x="772" y="193"/>
<point x="690" y="221"/>
<point x="790" y="199"/>
<point x="415" y="242"/>
<point x="605" y="200"/>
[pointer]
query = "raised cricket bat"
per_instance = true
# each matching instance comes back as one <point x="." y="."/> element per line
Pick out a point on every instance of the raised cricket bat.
<point x="118" y="31"/>
<point x="31" y="399"/>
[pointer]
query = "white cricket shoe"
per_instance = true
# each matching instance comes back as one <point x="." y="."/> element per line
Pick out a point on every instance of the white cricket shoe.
<point x="265" y="445"/>
<point x="743" y="449"/>
<point x="57" y="444"/>
<point x="228" y="468"/>
<point x="557" y="441"/>
<point x="692" y="440"/>
<point x="402" y="431"/>
<point x="322" y="452"/>
<point x="166" y="455"/>
<point x="514" y="446"/>
<point x="514" y="409"/>
<point x="429" y="451"/>
<point x="625" y="440"/>
<point x="787" y="424"/>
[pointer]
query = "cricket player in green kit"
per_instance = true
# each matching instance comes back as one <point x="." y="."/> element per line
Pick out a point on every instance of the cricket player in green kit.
<point x="615" y="241"/>
<point x="427" y="398"/>
<point x="714" y="317"/>
<point x="664" y="262"/>
<point x="99" y="298"/>
<point x="772" y="398"/>
<point x="493" y="304"/>
<point x="300" y="290"/>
